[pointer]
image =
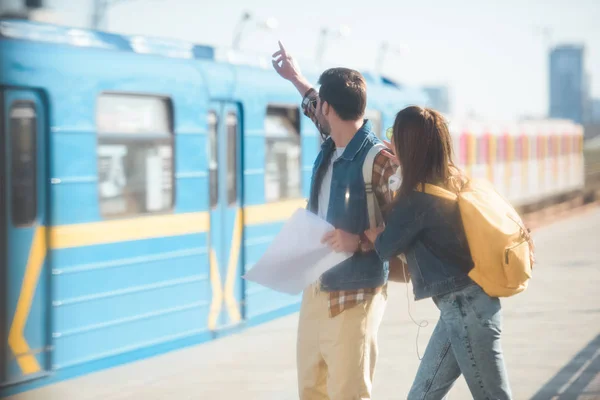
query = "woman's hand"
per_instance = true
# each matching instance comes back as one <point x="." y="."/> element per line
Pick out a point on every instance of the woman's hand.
<point x="341" y="241"/>
<point x="372" y="233"/>
<point x="390" y="152"/>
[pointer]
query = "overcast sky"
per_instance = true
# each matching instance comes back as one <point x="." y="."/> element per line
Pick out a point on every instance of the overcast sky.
<point x="492" y="55"/>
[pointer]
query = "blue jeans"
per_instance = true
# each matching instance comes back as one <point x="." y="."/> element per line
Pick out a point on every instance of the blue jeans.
<point x="465" y="340"/>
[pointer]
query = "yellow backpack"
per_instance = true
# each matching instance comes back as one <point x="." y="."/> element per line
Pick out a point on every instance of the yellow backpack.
<point x="500" y="245"/>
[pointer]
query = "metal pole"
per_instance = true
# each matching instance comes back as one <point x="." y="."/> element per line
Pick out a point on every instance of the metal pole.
<point x="381" y="57"/>
<point x="239" y="29"/>
<point x="321" y="45"/>
<point x="98" y="13"/>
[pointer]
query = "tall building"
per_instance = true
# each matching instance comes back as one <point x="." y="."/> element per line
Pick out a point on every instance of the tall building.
<point x="9" y="6"/>
<point x="587" y="98"/>
<point x="568" y="82"/>
<point x="439" y="98"/>
<point x="595" y="117"/>
<point x="19" y="8"/>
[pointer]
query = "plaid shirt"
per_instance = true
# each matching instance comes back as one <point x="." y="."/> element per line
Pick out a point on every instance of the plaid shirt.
<point x="384" y="167"/>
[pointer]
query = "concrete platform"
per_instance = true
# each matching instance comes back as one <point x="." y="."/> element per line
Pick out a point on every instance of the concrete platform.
<point x="551" y="341"/>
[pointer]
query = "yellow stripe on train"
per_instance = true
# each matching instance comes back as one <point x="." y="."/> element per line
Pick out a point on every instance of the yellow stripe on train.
<point x="104" y="232"/>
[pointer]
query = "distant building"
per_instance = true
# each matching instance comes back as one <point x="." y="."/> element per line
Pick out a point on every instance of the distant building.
<point x="587" y="99"/>
<point x="9" y="6"/>
<point x="595" y="111"/>
<point x="592" y="127"/>
<point x="32" y="10"/>
<point x="568" y="83"/>
<point x="439" y="98"/>
<point x="18" y="8"/>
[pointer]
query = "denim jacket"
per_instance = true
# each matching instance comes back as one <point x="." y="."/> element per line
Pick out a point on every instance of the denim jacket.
<point x="429" y="231"/>
<point x="347" y="210"/>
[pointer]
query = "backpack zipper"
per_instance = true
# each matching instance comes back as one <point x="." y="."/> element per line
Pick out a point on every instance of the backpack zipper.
<point x="509" y="249"/>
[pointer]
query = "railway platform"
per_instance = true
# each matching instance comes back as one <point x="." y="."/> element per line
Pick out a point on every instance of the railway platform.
<point x="551" y="341"/>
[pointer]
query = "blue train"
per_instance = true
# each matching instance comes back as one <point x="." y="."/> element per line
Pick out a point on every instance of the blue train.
<point x="140" y="179"/>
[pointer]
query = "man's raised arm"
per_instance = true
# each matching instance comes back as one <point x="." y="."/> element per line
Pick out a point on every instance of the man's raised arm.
<point x="288" y="69"/>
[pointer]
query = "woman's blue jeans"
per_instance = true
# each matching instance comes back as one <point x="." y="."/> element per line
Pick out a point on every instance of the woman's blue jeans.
<point x="466" y="340"/>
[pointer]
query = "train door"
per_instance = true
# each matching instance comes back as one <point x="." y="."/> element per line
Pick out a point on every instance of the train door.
<point x="24" y="279"/>
<point x="226" y="218"/>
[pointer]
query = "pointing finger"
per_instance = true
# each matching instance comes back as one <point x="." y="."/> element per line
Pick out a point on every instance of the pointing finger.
<point x="282" y="48"/>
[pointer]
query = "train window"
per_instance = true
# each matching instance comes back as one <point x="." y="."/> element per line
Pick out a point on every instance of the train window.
<point x="518" y="143"/>
<point x="551" y="146"/>
<point x="283" y="168"/>
<point x="232" y="139"/>
<point x="456" y="147"/>
<point x="464" y="149"/>
<point x="472" y="149"/>
<point x="213" y="164"/>
<point x="375" y="118"/>
<point x="23" y="132"/>
<point x="541" y="148"/>
<point x="501" y="149"/>
<point x="522" y="151"/>
<point x="532" y="148"/>
<point x="510" y="148"/>
<point x="482" y="150"/>
<point x="128" y="114"/>
<point x="135" y="154"/>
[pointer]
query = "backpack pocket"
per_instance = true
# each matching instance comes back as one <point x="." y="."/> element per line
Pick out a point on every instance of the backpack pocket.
<point x="517" y="264"/>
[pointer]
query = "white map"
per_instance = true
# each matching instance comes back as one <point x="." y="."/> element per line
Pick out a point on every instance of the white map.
<point x="296" y="258"/>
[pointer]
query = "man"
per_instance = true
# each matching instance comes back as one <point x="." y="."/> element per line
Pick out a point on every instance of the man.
<point x="340" y="315"/>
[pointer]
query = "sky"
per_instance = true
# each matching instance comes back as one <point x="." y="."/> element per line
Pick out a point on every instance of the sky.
<point x="492" y="55"/>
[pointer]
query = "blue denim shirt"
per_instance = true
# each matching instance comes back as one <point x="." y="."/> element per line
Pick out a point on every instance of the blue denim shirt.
<point x="429" y="231"/>
<point x="347" y="210"/>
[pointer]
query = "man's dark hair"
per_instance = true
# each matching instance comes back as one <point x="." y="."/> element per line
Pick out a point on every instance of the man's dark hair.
<point x="346" y="91"/>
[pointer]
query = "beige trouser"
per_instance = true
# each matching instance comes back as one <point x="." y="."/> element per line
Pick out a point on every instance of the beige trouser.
<point x="337" y="356"/>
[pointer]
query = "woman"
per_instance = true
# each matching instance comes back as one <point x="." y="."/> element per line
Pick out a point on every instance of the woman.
<point x="429" y="231"/>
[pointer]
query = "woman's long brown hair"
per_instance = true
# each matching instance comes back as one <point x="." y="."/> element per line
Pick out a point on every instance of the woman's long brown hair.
<point x="424" y="148"/>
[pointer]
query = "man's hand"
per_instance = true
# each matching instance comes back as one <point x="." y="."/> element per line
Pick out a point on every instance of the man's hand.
<point x="341" y="241"/>
<point x="372" y="233"/>
<point x="285" y="65"/>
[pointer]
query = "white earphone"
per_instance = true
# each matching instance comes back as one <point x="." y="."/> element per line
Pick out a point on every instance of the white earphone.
<point x="395" y="180"/>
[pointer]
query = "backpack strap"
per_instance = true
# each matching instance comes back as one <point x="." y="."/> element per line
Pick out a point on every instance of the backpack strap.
<point x="439" y="192"/>
<point x="375" y="217"/>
